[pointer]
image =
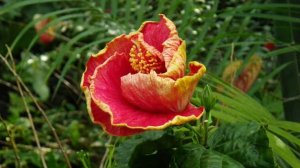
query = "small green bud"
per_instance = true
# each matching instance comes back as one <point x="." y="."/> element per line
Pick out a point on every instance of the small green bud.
<point x="208" y="100"/>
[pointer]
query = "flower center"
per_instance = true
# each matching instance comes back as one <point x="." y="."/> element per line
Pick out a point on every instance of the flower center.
<point x="142" y="60"/>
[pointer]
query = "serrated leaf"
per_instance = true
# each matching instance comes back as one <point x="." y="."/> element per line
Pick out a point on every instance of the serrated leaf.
<point x="196" y="156"/>
<point x="188" y="155"/>
<point x="245" y="142"/>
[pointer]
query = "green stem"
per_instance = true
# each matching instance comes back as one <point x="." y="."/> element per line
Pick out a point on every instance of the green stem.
<point x="206" y="124"/>
<point x="205" y="132"/>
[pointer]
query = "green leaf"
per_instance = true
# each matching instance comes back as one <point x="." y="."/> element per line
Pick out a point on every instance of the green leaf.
<point x="225" y="116"/>
<point x="237" y="105"/>
<point x="262" y="82"/>
<point x="13" y="6"/>
<point x="40" y="86"/>
<point x="209" y="21"/>
<point x="36" y="72"/>
<point x="17" y="106"/>
<point x="188" y="155"/>
<point x="283" y="150"/>
<point x="54" y="160"/>
<point x="151" y="149"/>
<point x="31" y="157"/>
<point x="234" y="100"/>
<point x="293" y="126"/>
<point x="284" y="134"/>
<point x="286" y="50"/>
<point x="195" y="155"/>
<point x="74" y="133"/>
<point x="245" y="142"/>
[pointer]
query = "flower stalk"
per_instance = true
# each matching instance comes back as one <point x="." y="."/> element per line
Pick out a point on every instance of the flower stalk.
<point x="208" y="100"/>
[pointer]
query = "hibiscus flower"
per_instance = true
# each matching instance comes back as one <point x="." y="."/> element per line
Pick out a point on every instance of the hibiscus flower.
<point x="138" y="82"/>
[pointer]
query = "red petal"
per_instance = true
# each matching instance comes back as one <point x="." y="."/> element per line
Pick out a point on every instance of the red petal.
<point x="103" y="118"/>
<point x="163" y="36"/>
<point x="46" y="38"/>
<point x="270" y="46"/>
<point x="155" y="33"/>
<point x="136" y="118"/>
<point x="120" y="44"/>
<point x="106" y="93"/>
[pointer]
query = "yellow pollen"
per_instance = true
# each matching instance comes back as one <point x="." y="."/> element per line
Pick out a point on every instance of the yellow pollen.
<point x="144" y="61"/>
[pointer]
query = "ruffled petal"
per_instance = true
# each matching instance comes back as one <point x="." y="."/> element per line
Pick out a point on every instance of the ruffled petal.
<point x="163" y="36"/>
<point x="121" y="44"/>
<point x="172" y="43"/>
<point x="170" y="47"/>
<point x="176" y="66"/>
<point x="106" y="93"/>
<point x="124" y="115"/>
<point x="155" y="33"/>
<point x="102" y="118"/>
<point x="161" y="95"/>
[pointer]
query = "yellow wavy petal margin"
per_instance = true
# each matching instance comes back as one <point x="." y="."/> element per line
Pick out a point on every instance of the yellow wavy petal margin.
<point x="177" y="65"/>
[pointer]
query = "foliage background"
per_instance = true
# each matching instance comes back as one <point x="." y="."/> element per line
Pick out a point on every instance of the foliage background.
<point x="46" y="91"/>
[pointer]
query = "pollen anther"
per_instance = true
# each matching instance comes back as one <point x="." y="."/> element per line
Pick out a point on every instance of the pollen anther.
<point x="142" y="60"/>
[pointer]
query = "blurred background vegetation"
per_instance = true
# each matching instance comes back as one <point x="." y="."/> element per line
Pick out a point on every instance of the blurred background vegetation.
<point x="44" y="44"/>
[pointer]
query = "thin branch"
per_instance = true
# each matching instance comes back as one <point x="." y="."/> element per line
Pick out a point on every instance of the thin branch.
<point x="8" y="84"/>
<point x="27" y="147"/>
<point x="12" y="141"/>
<point x="46" y="148"/>
<point x="28" y="114"/>
<point x="39" y="108"/>
<point x="291" y="98"/>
